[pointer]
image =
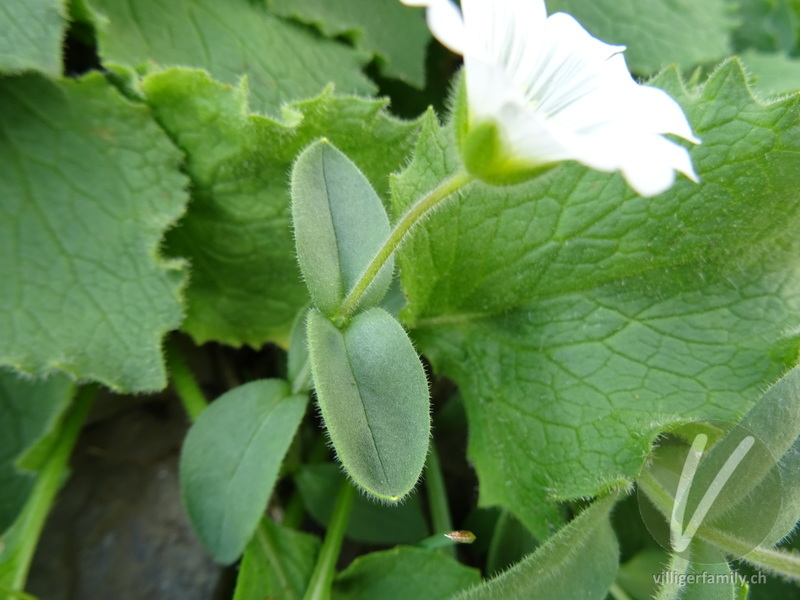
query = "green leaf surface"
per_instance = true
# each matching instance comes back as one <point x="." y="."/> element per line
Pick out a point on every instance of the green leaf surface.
<point x="30" y="35"/>
<point x="773" y="74"/>
<point x="230" y="461"/>
<point x="758" y="504"/>
<point x="578" y="319"/>
<point x="88" y="184"/>
<point x="339" y="226"/>
<point x="370" y="521"/>
<point x="510" y="542"/>
<point x="29" y="411"/>
<point x="282" y="62"/>
<point x="395" y="33"/>
<point x="657" y="33"/>
<point x="636" y="576"/>
<point x="19" y="542"/>
<point x="373" y="394"/>
<point x="712" y="576"/>
<point x="277" y="564"/>
<point x="245" y="286"/>
<point x="767" y="25"/>
<point x="402" y="573"/>
<point x="775" y="421"/>
<point x="579" y="561"/>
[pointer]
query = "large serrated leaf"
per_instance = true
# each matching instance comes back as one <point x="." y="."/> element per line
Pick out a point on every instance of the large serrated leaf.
<point x="657" y="33"/>
<point x="395" y="33"/>
<point x="373" y="394"/>
<point x="245" y="286"/>
<point x="339" y="227"/>
<point x="230" y="461"/>
<point x="30" y="35"/>
<point x="578" y="319"/>
<point x="230" y="40"/>
<point x="579" y="561"/>
<point x="88" y="184"/>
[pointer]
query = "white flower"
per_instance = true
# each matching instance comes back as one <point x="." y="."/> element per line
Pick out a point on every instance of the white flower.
<point x="555" y="93"/>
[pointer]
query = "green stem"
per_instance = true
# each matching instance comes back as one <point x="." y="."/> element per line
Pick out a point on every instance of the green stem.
<point x="190" y="394"/>
<point x="774" y="560"/>
<point x="396" y="237"/>
<point x="617" y="593"/>
<point x="437" y="498"/>
<point x="319" y="588"/>
<point x="671" y="589"/>
<point x="23" y="536"/>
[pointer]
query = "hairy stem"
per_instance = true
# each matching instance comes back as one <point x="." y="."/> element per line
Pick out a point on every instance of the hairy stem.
<point x="397" y="236"/>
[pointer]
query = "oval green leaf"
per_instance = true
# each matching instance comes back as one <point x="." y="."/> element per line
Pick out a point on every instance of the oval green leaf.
<point x="230" y="461"/>
<point x="373" y="395"/>
<point x="339" y="225"/>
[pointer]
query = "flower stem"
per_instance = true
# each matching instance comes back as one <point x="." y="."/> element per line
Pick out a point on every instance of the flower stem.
<point x="190" y="394"/>
<point x="319" y="588"/>
<point x="437" y="499"/>
<point x="396" y="237"/>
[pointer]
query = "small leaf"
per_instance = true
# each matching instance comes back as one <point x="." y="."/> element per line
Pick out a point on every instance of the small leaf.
<point x="277" y="563"/>
<point x="402" y="573"/>
<point x="579" y="561"/>
<point x="369" y="521"/>
<point x="340" y="224"/>
<point x="230" y="461"/>
<point x="373" y="394"/>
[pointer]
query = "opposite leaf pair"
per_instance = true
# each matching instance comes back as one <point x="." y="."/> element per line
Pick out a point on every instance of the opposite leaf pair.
<point x="370" y="384"/>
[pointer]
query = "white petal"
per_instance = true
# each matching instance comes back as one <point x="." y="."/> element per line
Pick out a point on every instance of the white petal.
<point x="659" y="112"/>
<point x="557" y="93"/>
<point x="489" y="89"/>
<point x="650" y="170"/>
<point x="445" y="22"/>
<point x="573" y="63"/>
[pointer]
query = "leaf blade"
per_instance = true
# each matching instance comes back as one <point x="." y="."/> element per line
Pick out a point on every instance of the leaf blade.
<point x="373" y="395"/>
<point x="230" y="462"/>
<point x="339" y="225"/>
<point x="87" y="291"/>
